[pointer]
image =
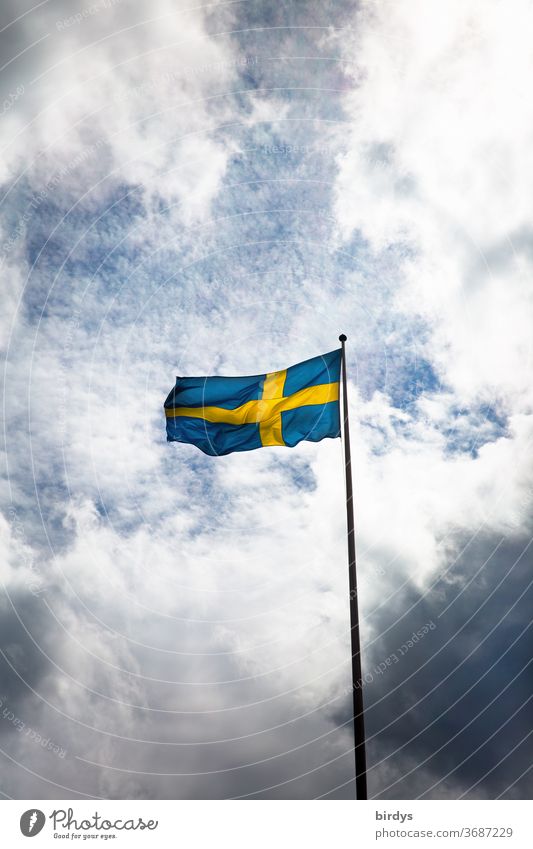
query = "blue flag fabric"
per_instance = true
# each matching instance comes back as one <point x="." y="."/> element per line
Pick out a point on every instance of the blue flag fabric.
<point x="224" y="414"/>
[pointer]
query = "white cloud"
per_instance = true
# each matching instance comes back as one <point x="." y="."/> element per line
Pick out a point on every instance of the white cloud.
<point x="415" y="498"/>
<point x="440" y="157"/>
<point x="137" y="80"/>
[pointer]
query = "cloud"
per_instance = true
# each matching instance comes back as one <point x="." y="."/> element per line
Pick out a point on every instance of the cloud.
<point x="110" y="82"/>
<point x="444" y="716"/>
<point x="438" y="158"/>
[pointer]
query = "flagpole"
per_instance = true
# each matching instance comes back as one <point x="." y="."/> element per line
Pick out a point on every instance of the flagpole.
<point x="357" y="682"/>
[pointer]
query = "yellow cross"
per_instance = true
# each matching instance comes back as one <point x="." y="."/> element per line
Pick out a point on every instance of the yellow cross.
<point x="267" y="411"/>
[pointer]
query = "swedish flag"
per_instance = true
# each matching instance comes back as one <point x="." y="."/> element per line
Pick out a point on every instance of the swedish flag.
<point x="224" y="414"/>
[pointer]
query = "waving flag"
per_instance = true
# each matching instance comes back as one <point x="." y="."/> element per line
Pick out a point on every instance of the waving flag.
<point x="224" y="414"/>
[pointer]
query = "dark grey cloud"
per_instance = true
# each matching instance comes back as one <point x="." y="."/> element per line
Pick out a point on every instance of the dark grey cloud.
<point x="445" y="709"/>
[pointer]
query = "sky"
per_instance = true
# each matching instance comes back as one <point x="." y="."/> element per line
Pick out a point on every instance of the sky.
<point x="223" y="189"/>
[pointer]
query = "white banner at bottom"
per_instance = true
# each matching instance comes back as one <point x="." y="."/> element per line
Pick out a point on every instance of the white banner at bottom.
<point x="267" y="824"/>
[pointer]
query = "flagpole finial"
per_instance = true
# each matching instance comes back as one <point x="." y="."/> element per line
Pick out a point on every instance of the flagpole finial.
<point x="342" y="337"/>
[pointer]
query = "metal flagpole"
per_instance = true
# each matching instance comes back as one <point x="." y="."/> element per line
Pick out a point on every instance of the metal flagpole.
<point x="357" y="683"/>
